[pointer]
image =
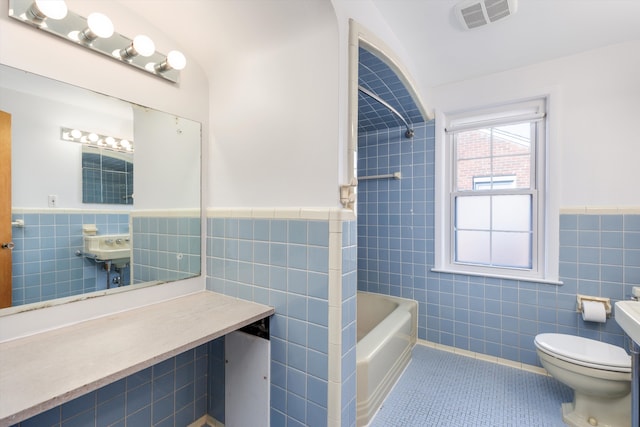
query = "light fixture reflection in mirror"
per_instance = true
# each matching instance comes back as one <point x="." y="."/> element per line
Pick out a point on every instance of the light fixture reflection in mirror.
<point x="97" y="32"/>
<point x="92" y="138"/>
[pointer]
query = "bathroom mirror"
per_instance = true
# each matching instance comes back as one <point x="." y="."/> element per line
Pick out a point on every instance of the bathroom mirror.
<point x="154" y="237"/>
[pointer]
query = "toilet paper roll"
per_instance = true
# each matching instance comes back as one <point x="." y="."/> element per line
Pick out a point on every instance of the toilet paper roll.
<point x="594" y="311"/>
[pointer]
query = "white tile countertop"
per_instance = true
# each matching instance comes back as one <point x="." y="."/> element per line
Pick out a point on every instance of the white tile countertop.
<point x="47" y="369"/>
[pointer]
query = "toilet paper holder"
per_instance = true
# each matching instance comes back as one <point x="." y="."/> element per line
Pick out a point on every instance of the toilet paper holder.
<point x="605" y="301"/>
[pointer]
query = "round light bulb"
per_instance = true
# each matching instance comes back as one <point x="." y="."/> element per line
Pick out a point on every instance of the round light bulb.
<point x="100" y="25"/>
<point x="144" y="45"/>
<point x="74" y="35"/>
<point x="93" y="137"/>
<point x="53" y="9"/>
<point x="125" y="143"/>
<point x="176" y="60"/>
<point x="110" y="141"/>
<point x="75" y="133"/>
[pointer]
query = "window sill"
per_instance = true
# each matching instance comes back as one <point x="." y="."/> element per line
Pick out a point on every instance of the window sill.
<point x="499" y="276"/>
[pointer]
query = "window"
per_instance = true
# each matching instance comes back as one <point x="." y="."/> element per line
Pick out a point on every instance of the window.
<point x="493" y="219"/>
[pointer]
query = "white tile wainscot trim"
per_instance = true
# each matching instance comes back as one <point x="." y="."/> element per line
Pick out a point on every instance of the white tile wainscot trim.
<point x="44" y="370"/>
<point x="336" y="214"/>
<point x="170" y="213"/>
<point x="600" y="210"/>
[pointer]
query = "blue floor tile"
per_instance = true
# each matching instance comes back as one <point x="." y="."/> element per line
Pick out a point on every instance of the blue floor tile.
<point x="439" y="388"/>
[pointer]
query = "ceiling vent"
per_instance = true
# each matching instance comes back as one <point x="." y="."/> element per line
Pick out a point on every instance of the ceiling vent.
<point x="478" y="13"/>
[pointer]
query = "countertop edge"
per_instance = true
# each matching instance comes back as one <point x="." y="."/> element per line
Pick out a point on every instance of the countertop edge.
<point x="220" y="304"/>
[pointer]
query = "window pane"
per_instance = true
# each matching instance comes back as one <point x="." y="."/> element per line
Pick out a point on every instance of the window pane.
<point x="492" y="187"/>
<point x="494" y="182"/>
<point x="511" y="249"/>
<point x="469" y="170"/>
<point x="473" y="144"/>
<point x="512" y="139"/>
<point x="517" y="167"/>
<point x="473" y="247"/>
<point x="473" y="212"/>
<point x="494" y="158"/>
<point x="512" y="212"/>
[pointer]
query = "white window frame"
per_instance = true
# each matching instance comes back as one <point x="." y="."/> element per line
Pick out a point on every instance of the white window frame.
<point x="544" y="247"/>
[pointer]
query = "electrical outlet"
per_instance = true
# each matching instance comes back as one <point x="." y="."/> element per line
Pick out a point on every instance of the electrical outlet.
<point x="53" y="201"/>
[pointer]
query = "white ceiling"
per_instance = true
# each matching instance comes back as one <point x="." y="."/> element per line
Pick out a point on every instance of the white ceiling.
<point x="443" y="52"/>
<point x="439" y="49"/>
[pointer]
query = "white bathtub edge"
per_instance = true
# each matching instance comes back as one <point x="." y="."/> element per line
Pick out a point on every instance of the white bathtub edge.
<point x="365" y="411"/>
<point x="383" y="354"/>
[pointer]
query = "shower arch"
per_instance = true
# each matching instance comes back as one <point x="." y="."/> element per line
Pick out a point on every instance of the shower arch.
<point x="360" y="37"/>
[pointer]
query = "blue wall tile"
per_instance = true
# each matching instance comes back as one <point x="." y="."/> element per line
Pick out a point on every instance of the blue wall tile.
<point x="44" y="262"/>
<point x="168" y="248"/>
<point x="290" y="266"/>
<point x="599" y="255"/>
<point x="164" y="393"/>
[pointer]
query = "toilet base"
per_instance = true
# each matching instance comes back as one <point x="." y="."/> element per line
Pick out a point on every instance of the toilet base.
<point x="589" y="411"/>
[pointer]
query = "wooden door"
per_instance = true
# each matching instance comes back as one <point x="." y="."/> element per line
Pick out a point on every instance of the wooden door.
<point x="5" y="208"/>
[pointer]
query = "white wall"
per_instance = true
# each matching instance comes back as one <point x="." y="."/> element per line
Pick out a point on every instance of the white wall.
<point x="43" y="164"/>
<point x="274" y="115"/>
<point x="595" y="103"/>
<point x="167" y="161"/>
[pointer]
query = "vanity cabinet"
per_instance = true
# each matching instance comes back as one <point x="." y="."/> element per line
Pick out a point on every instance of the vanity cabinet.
<point x="247" y="380"/>
<point x="44" y="370"/>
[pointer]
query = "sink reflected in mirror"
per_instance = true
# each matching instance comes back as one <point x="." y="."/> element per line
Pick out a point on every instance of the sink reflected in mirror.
<point x="110" y="247"/>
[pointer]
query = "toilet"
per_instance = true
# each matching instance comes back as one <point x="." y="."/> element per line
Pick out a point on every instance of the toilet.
<point x="599" y="374"/>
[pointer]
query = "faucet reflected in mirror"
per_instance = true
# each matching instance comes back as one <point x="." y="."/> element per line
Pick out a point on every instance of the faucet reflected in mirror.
<point x="63" y="192"/>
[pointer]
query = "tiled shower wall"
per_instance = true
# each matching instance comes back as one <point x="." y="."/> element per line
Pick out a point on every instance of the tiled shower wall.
<point x="295" y="263"/>
<point x="599" y="256"/>
<point x="45" y="264"/>
<point x="396" y="216"/>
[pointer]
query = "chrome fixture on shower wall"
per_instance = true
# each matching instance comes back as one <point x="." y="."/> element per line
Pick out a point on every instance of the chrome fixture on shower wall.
<point x="409" y="132"/>
<point x="96" y="32"/>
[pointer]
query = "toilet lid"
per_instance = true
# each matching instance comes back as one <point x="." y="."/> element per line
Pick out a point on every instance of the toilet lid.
<point x="585" y="351"/>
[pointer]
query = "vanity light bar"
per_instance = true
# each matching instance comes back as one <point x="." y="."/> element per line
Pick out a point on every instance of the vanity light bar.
<point x="96" y="140"/>
<point x="96" y="32"/>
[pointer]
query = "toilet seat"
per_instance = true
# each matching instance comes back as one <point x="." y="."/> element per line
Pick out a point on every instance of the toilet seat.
<point x="584" y="352"/>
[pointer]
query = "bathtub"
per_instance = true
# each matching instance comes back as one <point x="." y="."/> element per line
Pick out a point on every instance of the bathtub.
<point x="386" y="332"/>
